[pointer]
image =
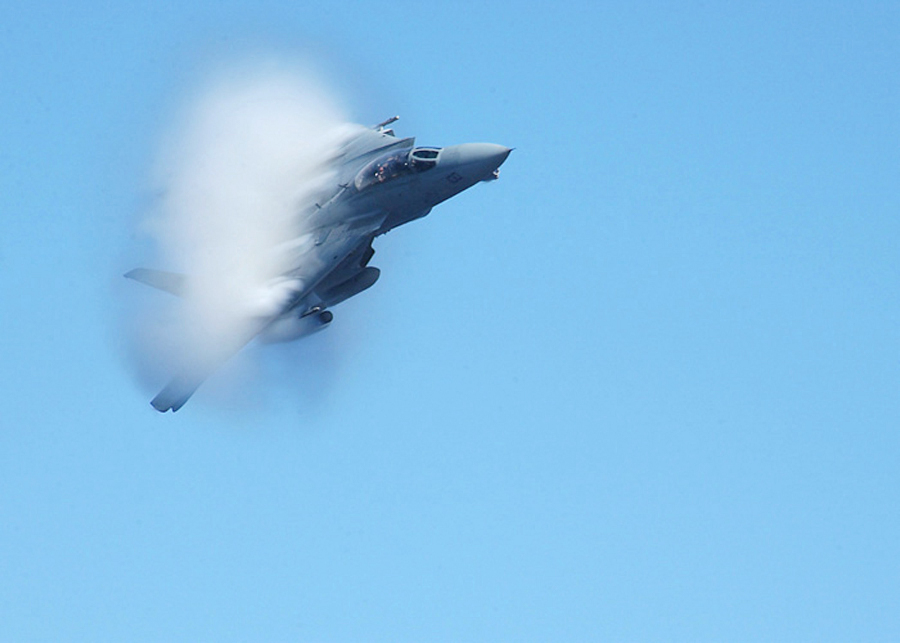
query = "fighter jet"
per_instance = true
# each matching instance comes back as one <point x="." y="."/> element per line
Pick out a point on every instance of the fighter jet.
<point x="382" y="182"/>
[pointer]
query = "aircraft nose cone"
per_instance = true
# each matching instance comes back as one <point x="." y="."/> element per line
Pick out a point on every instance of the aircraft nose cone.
<point x="482" y="158"/>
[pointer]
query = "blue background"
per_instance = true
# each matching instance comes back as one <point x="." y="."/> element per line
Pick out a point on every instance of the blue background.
<point x="644" y="387"/>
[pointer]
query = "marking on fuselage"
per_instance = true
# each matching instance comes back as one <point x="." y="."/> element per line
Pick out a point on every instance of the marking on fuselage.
<point x="453" y="177"/>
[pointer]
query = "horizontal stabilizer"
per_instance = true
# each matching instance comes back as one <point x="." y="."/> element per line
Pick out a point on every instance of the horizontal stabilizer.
<point x="170" y="282"/>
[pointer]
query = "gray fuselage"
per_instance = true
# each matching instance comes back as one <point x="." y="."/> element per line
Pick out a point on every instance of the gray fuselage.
<point x="385" y="179"/>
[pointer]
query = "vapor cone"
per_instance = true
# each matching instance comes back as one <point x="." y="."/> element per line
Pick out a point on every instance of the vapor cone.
<point x="250" y="153"/>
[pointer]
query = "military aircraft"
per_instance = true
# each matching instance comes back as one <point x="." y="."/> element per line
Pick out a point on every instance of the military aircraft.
<point x="382" y="182"/>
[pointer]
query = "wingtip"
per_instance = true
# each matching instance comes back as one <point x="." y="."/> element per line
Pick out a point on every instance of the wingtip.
<point x="164" y="407"/>
<point x="174" y="395"/>
<point x="160" y="406"/>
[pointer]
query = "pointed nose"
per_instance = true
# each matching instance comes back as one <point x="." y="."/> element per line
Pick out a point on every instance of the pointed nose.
<point x="481" y="159"/>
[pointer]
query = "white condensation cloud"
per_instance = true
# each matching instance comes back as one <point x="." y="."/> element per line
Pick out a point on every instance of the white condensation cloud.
<point x="248" y="153"/>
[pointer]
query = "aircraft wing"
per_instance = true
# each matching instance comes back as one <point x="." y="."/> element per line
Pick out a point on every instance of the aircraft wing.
<point x="181" y="387"/>
<point x="316" y="257"/>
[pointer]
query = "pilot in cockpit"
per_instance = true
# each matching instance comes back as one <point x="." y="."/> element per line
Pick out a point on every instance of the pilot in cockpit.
<point x="397" y="164"/>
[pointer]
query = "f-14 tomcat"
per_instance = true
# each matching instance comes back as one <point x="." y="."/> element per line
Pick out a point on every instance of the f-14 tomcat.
<point x="382" y="182"/>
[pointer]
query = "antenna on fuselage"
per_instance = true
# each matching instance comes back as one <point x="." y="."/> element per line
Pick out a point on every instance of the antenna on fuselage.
<point x="380" y="127"/>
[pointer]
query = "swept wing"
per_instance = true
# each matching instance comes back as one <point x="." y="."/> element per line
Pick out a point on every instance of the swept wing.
<point x="325" y="250"/>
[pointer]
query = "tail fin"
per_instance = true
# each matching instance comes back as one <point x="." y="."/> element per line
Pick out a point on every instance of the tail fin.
<point x="170" y="282"/>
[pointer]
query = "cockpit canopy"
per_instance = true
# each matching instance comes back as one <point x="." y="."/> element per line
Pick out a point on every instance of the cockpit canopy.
<point x="396" y="164"/>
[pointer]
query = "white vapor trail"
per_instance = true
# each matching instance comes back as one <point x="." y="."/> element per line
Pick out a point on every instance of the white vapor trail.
<point x="250" y="152"/>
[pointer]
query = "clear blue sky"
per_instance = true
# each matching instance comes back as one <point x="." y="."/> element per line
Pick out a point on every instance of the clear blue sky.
<point x="644" y="387"/>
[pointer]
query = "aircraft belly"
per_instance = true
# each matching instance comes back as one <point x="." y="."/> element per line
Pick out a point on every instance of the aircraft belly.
<point x="362" y="280"/>
<point x="342" y="251"/>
